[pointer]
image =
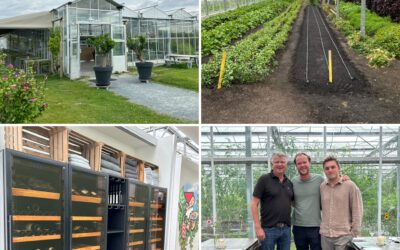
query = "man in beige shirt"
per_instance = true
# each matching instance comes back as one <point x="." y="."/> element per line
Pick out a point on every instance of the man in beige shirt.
<point x="342" y="208"/>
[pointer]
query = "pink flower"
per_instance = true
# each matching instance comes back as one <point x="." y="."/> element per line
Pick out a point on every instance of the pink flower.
<point x="44" y="105"/>
<point x="13" y="86"/>
<point x="10" y="66"/>
<point x="5" y="79"/>
<point x="209" y="222"/>
<point x="26" y="87"/>
<point x="33" y="99"/>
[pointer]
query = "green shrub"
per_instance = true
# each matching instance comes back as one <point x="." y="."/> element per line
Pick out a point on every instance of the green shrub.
<point x="344" y="26"/>
<point x="22" y="95"/>
<point x="389" y="39"/>
<point x="379" y="58"/>
<point x="358" y="43"/>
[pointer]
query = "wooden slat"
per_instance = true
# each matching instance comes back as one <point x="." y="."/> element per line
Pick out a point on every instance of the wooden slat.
<point x="13" y="137"/>
<point x="136" y="231"/>
<point x="26" y="150"/>
<point x="141" y="171"/>
<point x="35" y="138"/>
<point x="35" y="194"/>
<point x="136" y="204"/>
<point x="155" y="240"/>
<point x="156" y="218"/>
<point x="87" y="248"/>
<point x="84" y="235"/>
<point x="36" y="146"/>
<point x="135" y="243"/>
<point x="38" y="130"/>
<point x="136" y="218"/>
<point x="156" y="229"/>
<point x="59" y="143"/>
<point x="122" y="158"/>
<point x="35" y="218"/>
<point x="36" y="238"/>
<point x="95" y="156"/>
<point x="87" y="218"/>
<point x="80" y="198"/>
<point x="156" y="205"/>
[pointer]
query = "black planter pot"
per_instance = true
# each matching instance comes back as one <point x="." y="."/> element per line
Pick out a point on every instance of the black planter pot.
<point x="103" y="75"/>
<point x="144" y="70"/>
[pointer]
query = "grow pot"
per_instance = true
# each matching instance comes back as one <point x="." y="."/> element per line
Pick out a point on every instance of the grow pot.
<point x="144" y="69"/>
<point x="103" y="75"/>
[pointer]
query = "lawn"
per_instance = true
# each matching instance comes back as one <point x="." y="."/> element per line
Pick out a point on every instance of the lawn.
<point x="176" y="75"/>
<point x="76" y="102"/>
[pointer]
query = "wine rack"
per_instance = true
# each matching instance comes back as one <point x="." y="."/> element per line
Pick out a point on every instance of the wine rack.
<point x="117" y="200"/>
<point x="157" y="217"/>
<point x="37" y="200"/>
<point x="88" y="209"/>
<point x="137" y="215"/>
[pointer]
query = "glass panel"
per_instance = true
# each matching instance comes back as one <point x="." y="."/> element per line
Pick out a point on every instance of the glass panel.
<point x="88" y="210"/>
<point x="37" y="207"/>
<point x="118" y="32"/>
<point x="83" y="4"/>
<point x="157" y="218"/>
<point x="103" y="5"/>
<point x="138" y="204"/>
<point x="119" y="49"/>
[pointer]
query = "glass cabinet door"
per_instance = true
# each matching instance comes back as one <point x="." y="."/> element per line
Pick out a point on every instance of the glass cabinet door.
<point x="137" y="213"/>
<point x="88" y="214"/>
<point x="157" y="218"/>
<point x="37" y="202"/>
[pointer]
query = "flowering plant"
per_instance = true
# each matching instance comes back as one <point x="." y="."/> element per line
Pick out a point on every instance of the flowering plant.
<point x="21" y="94"/>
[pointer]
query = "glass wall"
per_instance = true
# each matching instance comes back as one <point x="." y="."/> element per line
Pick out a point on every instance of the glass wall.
<point x="210" y="7"/>
<point x="234" y="157"/>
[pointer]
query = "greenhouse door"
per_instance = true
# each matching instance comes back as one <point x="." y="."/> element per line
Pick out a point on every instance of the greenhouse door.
<point x="119" y="59"/>
<point x="74" y="55"/>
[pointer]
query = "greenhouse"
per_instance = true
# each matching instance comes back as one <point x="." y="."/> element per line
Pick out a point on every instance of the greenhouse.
<point x="234" y="157"/>
<point x="25" y="38"/>
<point x="210" y="7"/>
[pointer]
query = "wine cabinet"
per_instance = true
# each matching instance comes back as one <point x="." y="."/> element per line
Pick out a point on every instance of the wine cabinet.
<point x="35" y="202"/>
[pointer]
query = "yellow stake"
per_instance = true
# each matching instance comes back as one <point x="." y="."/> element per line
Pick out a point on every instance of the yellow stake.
<point x="221" y="73"/>
<point x="330" y="66"/>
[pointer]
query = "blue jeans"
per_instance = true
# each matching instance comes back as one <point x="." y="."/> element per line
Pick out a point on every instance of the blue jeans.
<point x="279" y="236"/>
<point x="307" y="238"/>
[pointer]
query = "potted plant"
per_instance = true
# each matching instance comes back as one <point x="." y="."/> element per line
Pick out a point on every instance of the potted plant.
<point x="137" y="44"/>
<point x="102" y="44"/>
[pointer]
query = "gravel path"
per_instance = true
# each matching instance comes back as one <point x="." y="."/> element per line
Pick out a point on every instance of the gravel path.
<point x="176" y="102"/>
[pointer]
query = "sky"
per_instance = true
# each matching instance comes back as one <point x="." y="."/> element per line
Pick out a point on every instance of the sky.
<point x="21" y="7"/>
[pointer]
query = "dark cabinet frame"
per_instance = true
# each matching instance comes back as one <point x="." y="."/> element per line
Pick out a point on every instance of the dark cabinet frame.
<point x="6" y="158"/>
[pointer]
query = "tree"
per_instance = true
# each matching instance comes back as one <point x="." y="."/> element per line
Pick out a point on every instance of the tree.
<point x="55" y="46"/>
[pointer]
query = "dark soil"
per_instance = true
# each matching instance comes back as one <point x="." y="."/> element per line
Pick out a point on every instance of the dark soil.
<point x="285" y="97"/>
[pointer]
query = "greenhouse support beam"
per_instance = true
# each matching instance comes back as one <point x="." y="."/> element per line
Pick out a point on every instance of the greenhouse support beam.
<point x="268" y="149"/>
<point x="316" y="160"/>
<point x="380" y="184"/>
<point x="398" y="186"/>
<point x="213" y="193"/>
<point x="249" y="182"/>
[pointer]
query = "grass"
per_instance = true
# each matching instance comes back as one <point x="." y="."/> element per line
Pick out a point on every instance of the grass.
<point x="76" y="102"/>
<point x="176" y="75"/>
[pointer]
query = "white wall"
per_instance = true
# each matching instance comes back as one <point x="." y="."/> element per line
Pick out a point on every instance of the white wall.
<point x="189" y="175"/>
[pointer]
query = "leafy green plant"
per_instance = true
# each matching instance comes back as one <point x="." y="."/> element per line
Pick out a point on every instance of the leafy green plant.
<point x="220" y="37"/>
<point x="389" y="39"/>
<point x="379" y="58"/>
<point x="54" y="46"/>
<point x="22" y="95"/>
<point x="103" y="45"/>
<point x="252" y="58"/>
<point x="137" y="44"/>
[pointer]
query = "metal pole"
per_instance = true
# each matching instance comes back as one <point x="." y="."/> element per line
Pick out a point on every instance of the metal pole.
<point x="380" y="183"/>
<point x="213" y="193"/>
<point x="337" y="8"/>
<point x="362" y="25"/>
<point x="268" y="149"/>
<point x="206" y="1"/>
<point x="324" y="141"/>
<point x="398" y="186"/>
<point x="249" y="181"/>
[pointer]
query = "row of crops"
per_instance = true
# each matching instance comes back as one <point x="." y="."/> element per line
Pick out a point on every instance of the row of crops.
<point x="382" y="43"/>
<point x="251" y="58"/>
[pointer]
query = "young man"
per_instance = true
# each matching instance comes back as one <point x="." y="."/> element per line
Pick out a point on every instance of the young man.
<point x="342" y="208"/>
<point x="307" y="205"/>
<point x="275" y="193"/>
